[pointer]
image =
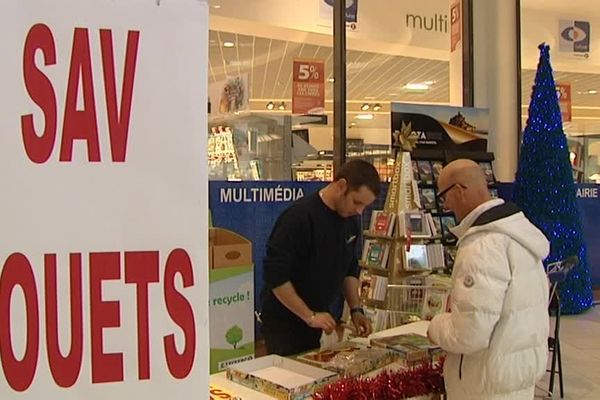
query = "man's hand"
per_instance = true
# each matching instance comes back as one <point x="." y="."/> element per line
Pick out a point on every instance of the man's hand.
<point x="362" y="324"/>
<point x="322" y="320"/>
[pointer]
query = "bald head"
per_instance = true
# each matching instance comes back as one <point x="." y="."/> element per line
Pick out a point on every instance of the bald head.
<point x="463" y="171"/>
<point x="471" y="185"/>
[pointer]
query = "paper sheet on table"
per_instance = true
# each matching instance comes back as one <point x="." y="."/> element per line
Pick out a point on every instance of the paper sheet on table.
<point x="419" y="328"/>
<point x="284" y="377"/>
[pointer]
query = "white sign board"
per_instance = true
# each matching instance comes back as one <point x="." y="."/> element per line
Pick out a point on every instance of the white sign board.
<point x="103" y="256"/>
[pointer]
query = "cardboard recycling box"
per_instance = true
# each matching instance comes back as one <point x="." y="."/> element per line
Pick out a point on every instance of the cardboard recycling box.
<point x="231" y="296"/>
<point x="228" y="249"/>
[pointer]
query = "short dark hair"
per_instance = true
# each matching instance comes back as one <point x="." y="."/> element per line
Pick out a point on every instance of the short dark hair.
<point x="359" y="173"/>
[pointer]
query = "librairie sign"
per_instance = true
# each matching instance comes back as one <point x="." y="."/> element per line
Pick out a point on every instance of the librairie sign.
<point x="103" y="257"/>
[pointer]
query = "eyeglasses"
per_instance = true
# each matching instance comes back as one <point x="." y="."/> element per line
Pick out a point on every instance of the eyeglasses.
<point x="441" y="195"/>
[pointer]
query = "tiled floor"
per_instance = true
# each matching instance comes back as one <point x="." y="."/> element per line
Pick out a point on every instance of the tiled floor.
<point x="580" y="341"/>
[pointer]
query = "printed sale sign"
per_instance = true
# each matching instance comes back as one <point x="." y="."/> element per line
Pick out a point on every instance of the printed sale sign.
<point x="103" y="259"/>
<point x="308" y="91"/>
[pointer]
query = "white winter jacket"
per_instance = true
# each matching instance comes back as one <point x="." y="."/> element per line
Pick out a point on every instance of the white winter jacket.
<point x="496" y="333"/>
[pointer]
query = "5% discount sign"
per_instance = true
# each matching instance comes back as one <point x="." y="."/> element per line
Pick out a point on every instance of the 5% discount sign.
<point x="308" y="71"/>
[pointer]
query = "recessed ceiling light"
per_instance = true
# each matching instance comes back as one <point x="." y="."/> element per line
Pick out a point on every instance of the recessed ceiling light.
<point x="217" y="6"/>
<point x="592" y="91"/>
<point x="352" y="123"/>
<point x="364" y="116"/>
<point x="228" y="43"/>
<point x="416" y="86"/>
<point x="377" y="107"/>
<point x="331" y="80"/>
<point x="270" y="105"/>
<point x="365" y="107"/>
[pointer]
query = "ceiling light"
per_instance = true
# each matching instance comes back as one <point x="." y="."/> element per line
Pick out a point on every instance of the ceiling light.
<point x="270" y="105"/>
<point x="592" y="91"/>
<point x="377" y="107"/>
<point x="228" y="43"/>
<point x="365" y="107"/>
<point x="416" y="86"/>
<point x="331" y="80"/>
<point x="364" y="116"/>
<point x="429" y="83"/>
<point x="281" y="106"/>
<point x="217" y="6"/>
<point x="352" y="123"/>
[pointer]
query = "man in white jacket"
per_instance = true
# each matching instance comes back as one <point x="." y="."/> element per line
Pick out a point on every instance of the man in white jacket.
<point x="496" y="333"/>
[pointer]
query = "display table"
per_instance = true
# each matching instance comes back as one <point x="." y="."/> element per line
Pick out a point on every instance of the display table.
<point x="221" y="382"/>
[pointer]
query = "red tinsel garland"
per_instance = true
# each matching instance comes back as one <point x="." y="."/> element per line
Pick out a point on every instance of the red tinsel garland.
<point x="421" y="380"/>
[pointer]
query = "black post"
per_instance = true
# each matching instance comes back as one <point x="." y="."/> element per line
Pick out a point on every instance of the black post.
<point x="519" y="78"/>
<point x="467" y="47"/>
<point x="339" y="86"/>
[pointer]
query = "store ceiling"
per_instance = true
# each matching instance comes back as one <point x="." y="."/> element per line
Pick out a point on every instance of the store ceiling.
<point x="371" y="77"/>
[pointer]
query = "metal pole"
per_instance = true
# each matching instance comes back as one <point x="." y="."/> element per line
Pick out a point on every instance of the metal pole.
<point x="467" y="34"/>
<point x="339" y="86"/>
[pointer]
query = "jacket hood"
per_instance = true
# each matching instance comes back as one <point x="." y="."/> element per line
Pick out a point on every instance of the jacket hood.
<point x="507" y="218"/>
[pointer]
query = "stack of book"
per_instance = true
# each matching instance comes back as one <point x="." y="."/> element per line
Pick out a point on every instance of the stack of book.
<point x="373" y="287"/>
<point x="423" y="257"/>
<point x="416" y="224"/>
<point x="375" y="253"/>
<point x="410" y="348"/>
<point x="382" y="223"/>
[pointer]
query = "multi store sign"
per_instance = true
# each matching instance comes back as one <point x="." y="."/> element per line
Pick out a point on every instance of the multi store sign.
<point x="103" y="275"/>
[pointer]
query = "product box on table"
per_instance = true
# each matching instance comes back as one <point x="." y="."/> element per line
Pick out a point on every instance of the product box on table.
<point x="349" y="359"/>
<point x="410" y="347"/>
<point x="280" y="377"/>
<point x="231" y="299"/>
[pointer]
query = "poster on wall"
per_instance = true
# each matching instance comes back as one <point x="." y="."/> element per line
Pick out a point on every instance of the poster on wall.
<point x="308" y="89"/>
<point x="229" y="96"/>
<point x="563" y="91"/>
<point x="574" y="37"/>
<point x="103" y="270"/>
<point x="440" y="127"/>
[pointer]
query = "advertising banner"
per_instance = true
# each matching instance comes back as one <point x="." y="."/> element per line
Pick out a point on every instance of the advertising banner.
<point x="455" y="24"/>
<point x="326" y="13"/>
<point x="574" y="36"/>
<point x="308" y="90"/>
<point x="440" y="127"/>
<point x="229" y="96"/>
<point x="103" y="270"/>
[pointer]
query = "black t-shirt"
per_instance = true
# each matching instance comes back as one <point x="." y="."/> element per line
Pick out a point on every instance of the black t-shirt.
<point x="314" y="248"/>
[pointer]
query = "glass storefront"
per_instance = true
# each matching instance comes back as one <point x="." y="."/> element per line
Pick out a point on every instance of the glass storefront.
<point x="568" y="27"/>
<point x="395" y="51"/>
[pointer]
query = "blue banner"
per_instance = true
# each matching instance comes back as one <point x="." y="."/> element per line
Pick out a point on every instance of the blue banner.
<point x="251" y="209"/>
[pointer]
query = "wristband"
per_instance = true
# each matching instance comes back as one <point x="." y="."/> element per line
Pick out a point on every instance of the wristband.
<point x="357" y="310"/>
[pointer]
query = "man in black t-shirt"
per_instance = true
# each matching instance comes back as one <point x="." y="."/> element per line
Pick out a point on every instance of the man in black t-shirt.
<point x="312" y="257"/>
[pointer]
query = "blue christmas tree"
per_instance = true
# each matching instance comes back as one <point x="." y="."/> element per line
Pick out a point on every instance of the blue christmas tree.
<point x="544" y="187"/>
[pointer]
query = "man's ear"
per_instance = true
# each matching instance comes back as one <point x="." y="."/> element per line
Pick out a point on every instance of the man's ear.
<point x="342" y="185"/>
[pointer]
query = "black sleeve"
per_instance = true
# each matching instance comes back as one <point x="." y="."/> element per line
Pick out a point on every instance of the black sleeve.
<point x="288" y="240"/>
<point x="353" y="268"/>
